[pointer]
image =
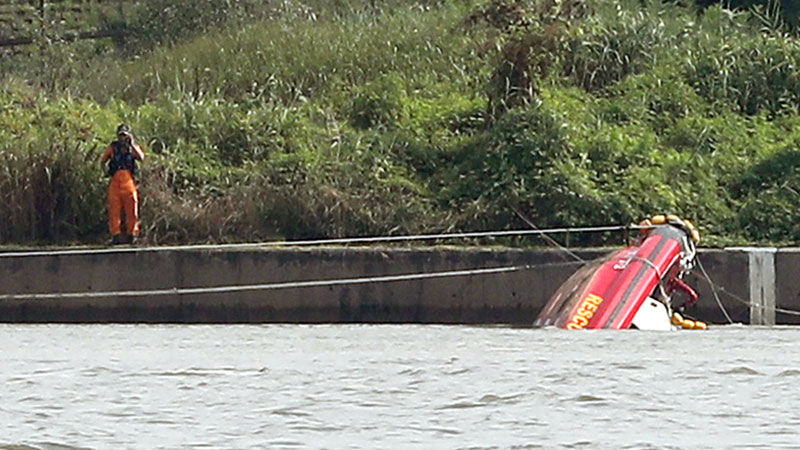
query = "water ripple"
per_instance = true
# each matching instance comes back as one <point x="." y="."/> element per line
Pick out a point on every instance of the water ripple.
<point x="462" y="405"/>
<point x="486" y="400"/>
<point x="342" y="386"/>
<point x="742" y="370"/>
<point x="285" y="443"/>
<point x="586" y="398"/>
<point x="290" y="412"/>
<point x="442" y="430"/>
<point x="629" y="367"/>
<point x="41" y="446"/>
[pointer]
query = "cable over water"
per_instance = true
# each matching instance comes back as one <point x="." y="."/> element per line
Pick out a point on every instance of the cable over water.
<point x="361" y="280"/>
<point x="714" y="288"/>
<point x="283" y="285"/>
<point x="336" y="241"/>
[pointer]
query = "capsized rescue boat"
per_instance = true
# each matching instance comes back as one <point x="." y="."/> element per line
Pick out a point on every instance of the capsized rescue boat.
<point x="632" y="287"/>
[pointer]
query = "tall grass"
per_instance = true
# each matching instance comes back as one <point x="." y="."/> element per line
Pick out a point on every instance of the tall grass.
<point x="49" y="181"/>
<point x="345" y="118"/>
<point x="292" y="59"/>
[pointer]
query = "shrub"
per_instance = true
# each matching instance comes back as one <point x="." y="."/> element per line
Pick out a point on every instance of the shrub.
<point x="378" y="103"/>
<point x="361" y="192"/>
<point x="753" y="72"/>
<point x="327" y="119"/>
<point x="618" y="42"/>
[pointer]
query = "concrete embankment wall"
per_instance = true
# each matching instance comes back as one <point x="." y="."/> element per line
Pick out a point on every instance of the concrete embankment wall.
<point x="499" y="298"/>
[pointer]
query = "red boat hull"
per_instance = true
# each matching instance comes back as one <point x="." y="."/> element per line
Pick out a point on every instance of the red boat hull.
<point x="608" y="293"/>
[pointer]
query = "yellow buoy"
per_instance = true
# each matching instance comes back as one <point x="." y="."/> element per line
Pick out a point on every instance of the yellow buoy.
<point x="676" y="319"/>
<point x="658" y="219"/>
<point x="700" y="325"/>
<point x="693" y="230"/>
<point x="645" y="231"/>
<point x="687" y="324"/>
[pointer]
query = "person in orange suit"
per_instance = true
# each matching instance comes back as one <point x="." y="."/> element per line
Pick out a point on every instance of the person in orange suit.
<point x="119" y="162"/>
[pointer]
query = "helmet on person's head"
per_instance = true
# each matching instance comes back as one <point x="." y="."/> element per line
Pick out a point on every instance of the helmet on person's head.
<point x="123" y="129"/>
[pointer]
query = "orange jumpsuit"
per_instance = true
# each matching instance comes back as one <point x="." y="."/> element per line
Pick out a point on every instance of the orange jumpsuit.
<point x="122" y="196"/>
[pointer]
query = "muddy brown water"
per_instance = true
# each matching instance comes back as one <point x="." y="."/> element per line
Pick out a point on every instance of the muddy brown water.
<point x="400" y="386"/>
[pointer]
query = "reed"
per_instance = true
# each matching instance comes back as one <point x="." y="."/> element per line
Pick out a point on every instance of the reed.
<point x="344" y="118"/>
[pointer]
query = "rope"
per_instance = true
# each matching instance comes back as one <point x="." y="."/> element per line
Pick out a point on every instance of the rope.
<point x="272" y="286"/>
<point x="714" y="291"/>
<point x="335" y="241"/>
<point x="658" y="273"/>
<point x="715" y="287"/>
<point x="544" y="236"/>
<point x="352" y="240"/>
<point x="735" y="297"/>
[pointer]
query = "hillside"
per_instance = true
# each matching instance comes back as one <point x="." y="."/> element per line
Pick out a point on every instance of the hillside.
<point x="312" y="119"/>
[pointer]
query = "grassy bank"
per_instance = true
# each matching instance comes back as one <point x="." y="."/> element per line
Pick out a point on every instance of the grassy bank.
<point x="360" y="118"/>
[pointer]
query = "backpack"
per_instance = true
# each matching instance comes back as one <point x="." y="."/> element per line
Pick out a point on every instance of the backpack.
<point x="121" y="160"/>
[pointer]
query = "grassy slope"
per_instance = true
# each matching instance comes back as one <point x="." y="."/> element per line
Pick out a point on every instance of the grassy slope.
<point x="315" y="121"/>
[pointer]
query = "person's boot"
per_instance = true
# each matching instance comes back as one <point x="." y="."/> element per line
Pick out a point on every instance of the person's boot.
<point x="117" y="239"/>
<point x="127" y="239"/>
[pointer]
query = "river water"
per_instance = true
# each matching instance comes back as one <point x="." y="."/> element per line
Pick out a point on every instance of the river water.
<point x="403" y="386"/>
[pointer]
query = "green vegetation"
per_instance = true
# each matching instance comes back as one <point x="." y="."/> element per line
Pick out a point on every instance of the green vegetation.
<point x="355" y="117"/>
